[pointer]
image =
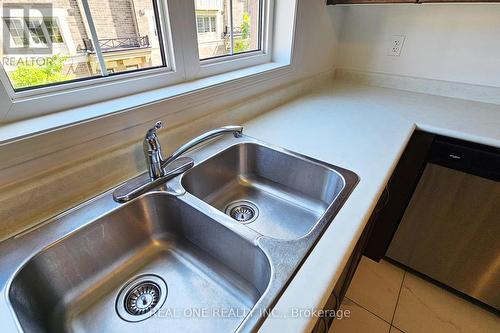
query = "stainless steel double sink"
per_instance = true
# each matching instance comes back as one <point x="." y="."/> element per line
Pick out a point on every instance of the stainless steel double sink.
<point x="209" y="251"/>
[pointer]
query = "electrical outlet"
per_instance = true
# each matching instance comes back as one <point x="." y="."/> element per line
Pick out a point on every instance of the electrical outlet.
<point x="396" y="45"/>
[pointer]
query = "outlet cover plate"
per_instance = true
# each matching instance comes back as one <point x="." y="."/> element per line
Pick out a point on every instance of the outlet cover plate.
<point x="396" y="45"/>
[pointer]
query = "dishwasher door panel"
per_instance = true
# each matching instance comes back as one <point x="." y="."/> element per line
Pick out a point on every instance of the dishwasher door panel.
<point x="451" y="232"/>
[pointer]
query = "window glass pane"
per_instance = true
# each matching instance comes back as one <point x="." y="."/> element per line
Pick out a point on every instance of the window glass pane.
<point x="200" y="24"/>
<point x="128" y="36"/>
<point x="36" y="31"/>
<point x="213" y="26"/>
<point x="16" y="29"/>
<point x="246" y="25"/>
<point x="49" y="42"/>
<point x="214" y="19"/>
<point x="53" y="30"/>
<point x="29" y="56"/>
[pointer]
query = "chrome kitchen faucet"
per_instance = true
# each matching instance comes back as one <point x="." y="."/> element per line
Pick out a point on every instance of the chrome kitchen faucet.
<point x="152" y="147"/>
<point x="160" y="170"/>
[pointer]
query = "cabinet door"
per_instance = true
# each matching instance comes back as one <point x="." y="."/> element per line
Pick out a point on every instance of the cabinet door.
<point x="340" y="289"/>
<point x="399" y="191"/>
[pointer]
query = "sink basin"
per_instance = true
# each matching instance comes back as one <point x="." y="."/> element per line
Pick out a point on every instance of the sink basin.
<point x="210" y="250"/>
<point x="278" y="195"/>
<point x="75" y="284"/>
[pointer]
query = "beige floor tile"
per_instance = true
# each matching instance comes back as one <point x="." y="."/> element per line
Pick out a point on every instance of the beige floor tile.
<point x="424" y="307"/>
<point x="395" y="330"/>
<point x="359" y="321"/>
<point x="376" y="286"/>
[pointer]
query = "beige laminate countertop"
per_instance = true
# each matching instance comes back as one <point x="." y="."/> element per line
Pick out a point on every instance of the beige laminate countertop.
<point x="364" y="129"/>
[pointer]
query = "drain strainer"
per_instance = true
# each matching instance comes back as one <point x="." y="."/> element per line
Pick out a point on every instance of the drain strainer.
<point x="141" y="298"/>
<point x="242" y="211"/>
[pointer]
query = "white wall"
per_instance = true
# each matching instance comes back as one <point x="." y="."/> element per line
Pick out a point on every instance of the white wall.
<point x="451" y="42"/>
<point x="316" y="37"/>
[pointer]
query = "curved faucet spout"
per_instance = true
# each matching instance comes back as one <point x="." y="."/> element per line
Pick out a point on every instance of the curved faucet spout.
<point x="152" y="148"/>
<point x="236" y="130"/>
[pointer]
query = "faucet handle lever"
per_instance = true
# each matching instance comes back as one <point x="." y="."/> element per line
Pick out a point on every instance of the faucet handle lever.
<point x="153" y="130"/>
<point x="151" y="142"/>
<point x="152" y="151"/>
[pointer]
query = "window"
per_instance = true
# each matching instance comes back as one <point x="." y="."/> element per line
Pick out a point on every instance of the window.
<point x="240" y="30"/>
<point x="206" y="24"/>
<point x="16" y="29"/>
<point x="73" y="53"/>
<point x="53" y="30"/>
<point x="95" y="39"/>
<point x="39" y="31"/>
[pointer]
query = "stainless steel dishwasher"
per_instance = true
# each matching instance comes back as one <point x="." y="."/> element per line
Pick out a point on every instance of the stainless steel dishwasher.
<point x="450" y="230"/>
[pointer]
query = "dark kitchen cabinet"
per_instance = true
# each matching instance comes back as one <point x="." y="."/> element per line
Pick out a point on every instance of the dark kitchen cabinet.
<point x="392" y="204"/>
<point x="335" y="300"/>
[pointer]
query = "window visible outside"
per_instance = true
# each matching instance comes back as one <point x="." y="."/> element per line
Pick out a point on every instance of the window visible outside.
<point x="214" y="20"/>
<point x="50" y="42"/>
<point x="206" y="24"/>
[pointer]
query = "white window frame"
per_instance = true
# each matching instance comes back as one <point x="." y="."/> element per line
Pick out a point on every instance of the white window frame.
<point x="179" y="31"/>
<point x="232" y="62"/>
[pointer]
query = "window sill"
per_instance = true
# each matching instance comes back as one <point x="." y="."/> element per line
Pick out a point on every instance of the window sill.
<point x="50" y="141"/>
<point x="35" y="126"/>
